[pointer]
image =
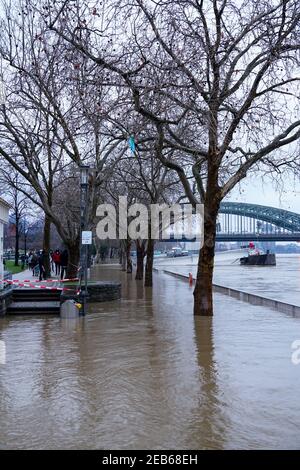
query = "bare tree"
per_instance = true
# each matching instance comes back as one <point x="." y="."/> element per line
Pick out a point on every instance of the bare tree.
<point x="52" y="119"/>
<point x="223" y="78"/>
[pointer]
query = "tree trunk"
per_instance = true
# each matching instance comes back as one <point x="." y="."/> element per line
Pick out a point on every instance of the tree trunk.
<point x="203" y="292"/>
<point x="140" y="254"/>
<point x="128" y="256"/>
<point x="74" y="259"/>
<point x="46" y="245"/>
<point x="149" y="263"/>
<point x="123" y="255"/>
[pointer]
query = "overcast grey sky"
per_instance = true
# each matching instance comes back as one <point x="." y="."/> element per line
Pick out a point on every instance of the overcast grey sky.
<point x="254" y="190"/>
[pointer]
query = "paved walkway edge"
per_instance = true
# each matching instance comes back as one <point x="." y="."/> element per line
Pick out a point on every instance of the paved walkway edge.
<point x="254" y="299"/>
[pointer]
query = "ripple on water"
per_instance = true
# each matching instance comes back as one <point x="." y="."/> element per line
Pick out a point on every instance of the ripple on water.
<point x="145" y="374"/>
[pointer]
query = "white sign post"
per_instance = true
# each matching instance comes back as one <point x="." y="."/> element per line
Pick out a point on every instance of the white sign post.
<point x="87" y="238"/>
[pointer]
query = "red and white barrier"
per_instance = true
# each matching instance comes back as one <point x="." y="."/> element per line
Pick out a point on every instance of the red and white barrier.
<point x="13" y="281"/>
<point x="28" y="283"/>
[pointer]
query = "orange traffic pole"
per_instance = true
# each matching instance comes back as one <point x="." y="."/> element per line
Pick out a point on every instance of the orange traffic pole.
<point x="190" y="279"/>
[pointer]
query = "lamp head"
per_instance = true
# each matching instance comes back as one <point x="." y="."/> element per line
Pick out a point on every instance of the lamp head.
<point x="84" y="174"/>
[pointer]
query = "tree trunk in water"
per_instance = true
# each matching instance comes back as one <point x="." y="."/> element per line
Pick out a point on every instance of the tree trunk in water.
<point x="203" y="292"/>
<point x="121" y="255"/>
<point x="140" y="254"/>
<point x="122" y="258"/>
<point x="128" y="257"/>
<point x="46" y="245"/>
<point x="149" y="263"/>
<point x="74" y="259"/>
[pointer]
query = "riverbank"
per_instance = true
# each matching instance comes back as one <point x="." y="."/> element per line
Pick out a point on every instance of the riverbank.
<point x="258" y="300"/>
<point x="279" y="283"/>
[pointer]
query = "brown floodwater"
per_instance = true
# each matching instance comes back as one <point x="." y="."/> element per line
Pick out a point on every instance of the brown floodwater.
<point x="143" y="373"/>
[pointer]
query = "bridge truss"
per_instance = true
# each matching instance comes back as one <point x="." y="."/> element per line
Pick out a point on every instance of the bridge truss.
<point x="239" y="221"/>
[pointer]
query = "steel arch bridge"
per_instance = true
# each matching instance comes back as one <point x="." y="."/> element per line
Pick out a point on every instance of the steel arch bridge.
<point x="240" y="221"/>
<point x="276" y="224"/>
<point x="281" y="218"/>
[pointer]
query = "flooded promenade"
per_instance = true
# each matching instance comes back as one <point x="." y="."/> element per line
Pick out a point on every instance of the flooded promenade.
<point x="280" y="282"/>
<point x="143" y="373"/>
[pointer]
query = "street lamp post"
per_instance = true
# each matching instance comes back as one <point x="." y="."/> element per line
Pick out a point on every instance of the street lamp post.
<point x="84" y="175"/>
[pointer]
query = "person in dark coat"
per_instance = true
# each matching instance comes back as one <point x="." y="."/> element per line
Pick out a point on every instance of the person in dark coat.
<point x="42" y="263"/>
<point x="23" y="261"/>
<point x="64" y="259"/>
<point x="33" y="262"/>
<point x="51" y="260"/>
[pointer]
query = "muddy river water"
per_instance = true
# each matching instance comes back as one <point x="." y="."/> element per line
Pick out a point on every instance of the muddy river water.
<point x="143" y="373"/>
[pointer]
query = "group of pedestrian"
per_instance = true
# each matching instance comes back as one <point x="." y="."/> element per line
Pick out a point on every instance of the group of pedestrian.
<point x="58" y="261"/>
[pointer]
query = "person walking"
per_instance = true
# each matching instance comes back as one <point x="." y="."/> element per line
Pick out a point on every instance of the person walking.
<point x="42" y="265"/>
<point x="34" y="262"/>
<point x="64" y="259"/>
<point x="57" y="261"/>
<point x="51" y="260"/>
<point x="30" y="260"/>
<point x="23" y="261"/>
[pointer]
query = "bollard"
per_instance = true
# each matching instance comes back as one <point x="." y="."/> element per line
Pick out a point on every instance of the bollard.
<point x="190" y="279"/>
<point x="70" y="309"/>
